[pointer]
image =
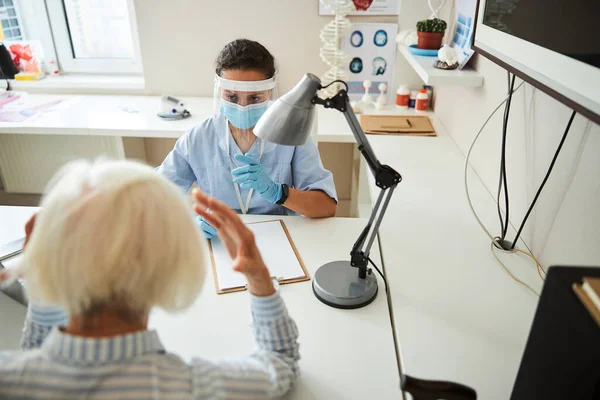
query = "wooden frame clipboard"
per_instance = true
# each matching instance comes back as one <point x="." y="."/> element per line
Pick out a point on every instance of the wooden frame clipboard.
<point x="304" y="278"/>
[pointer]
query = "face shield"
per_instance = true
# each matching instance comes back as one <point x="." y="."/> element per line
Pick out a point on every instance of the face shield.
<point x="242" y="103"/>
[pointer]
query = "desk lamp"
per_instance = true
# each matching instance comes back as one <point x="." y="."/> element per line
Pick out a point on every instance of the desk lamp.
<point x="289" y="121"/>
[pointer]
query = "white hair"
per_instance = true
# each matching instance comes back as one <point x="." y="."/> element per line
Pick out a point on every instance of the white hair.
<point x="114" y="232"/>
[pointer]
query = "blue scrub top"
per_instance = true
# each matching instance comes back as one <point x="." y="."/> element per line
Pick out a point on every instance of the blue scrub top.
<point x="201" y="156"/>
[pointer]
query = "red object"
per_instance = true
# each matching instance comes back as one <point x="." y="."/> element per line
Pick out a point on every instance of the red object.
<point x="21" y="52"/>
<point x="430" y="40"/>
<point x="362" y="5"/>
<point x="421" y="104"/>
<point x="402" y="99"/>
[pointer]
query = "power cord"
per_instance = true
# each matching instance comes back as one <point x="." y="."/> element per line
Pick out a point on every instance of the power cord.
<point x="467" y="164"/>
<point x="494" y="246"/>
<point x="537" y="195"/>
<point x="495" y="240"/>
<point x="503" y="180"/>
<point x="377" y="269"/>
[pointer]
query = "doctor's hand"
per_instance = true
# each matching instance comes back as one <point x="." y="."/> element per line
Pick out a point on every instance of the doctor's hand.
<point x="208" y="231"/>
<point x="239" y="241"/>
<point x="253" y="176"/>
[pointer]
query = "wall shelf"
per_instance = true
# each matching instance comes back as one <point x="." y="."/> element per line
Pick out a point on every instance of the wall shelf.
<point x="467" y="77"/>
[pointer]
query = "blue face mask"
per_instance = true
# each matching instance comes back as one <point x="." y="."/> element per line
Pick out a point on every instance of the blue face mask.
<point x="243" y="117"/>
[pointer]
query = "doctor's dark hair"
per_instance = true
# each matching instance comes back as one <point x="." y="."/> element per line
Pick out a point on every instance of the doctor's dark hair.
<point x="245" y="54"/>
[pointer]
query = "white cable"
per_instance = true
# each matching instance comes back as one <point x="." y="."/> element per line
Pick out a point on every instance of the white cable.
<point x="469" y="156"/>
<point x="508" y="270"/>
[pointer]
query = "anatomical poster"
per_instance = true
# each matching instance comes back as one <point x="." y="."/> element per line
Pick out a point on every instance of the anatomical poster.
<point x="368" y="7"/>
<point x="372" y="50"/>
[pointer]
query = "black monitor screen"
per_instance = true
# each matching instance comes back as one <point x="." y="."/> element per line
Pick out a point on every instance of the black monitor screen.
<point x="569" y="27"/>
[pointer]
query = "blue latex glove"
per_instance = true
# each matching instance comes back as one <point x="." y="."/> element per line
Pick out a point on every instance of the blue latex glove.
<point x="253" y="176"/>
<point x="207" y="229"/>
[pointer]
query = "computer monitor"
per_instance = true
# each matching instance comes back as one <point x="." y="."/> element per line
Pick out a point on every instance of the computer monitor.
<point x="562" y="357"/>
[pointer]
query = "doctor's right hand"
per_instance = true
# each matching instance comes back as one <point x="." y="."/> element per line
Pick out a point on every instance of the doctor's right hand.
<point x="208" y="231"/>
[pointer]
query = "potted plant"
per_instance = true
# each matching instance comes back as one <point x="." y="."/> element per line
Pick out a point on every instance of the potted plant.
<point x="430" y="33"/>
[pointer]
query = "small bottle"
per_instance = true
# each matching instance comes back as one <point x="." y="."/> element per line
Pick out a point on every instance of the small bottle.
<point x="413" y="99"/>
<point x="402" y="97"/>
<point x="429" y="95"/>
<point x="422" y="100"/>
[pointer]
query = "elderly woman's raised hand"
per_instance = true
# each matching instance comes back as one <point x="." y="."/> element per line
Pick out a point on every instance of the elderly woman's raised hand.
<point x="239" y="241"/>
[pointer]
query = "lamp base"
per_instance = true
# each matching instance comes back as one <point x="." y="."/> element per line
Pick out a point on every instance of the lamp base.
<point x="337" y="284"/>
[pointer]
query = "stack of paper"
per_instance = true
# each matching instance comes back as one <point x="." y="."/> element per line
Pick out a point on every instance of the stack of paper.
<point x="589" y="294"/>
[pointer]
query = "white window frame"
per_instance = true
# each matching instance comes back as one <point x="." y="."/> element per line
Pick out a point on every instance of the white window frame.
<point x="62" y="45"/>
<point x="36" y="25"/>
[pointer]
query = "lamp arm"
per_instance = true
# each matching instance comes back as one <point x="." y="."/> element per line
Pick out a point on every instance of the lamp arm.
<point x="386" y="178"/>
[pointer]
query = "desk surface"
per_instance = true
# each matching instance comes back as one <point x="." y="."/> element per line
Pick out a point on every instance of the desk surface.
<point x="345" y="354"/>
<point x="106" y="115"/>
<point x="458" y="315"/>
<point x="109" y="115"/>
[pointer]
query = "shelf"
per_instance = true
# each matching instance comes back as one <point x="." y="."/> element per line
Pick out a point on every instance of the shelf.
<point x="438" y="77"/>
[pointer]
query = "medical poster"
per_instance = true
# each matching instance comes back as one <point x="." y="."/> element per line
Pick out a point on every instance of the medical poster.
<point x="368" y="7"/>
<point x="372" y="49"/>
<point x="463" y="32"/>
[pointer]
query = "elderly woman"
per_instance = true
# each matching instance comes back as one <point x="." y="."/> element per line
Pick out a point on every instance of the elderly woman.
<point x="113" y="240"/>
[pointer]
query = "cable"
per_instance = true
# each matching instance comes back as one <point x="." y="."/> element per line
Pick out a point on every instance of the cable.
<point x="572" y="174"/>
<point x="382" y="277"/>
<point x="537" y="195"/>
<point x="492" y="247"/>
<point x="503" y="176"/>
<point x="336" y="81"/>
<point x="466" y="172"/>
<point x="538" y="265"/>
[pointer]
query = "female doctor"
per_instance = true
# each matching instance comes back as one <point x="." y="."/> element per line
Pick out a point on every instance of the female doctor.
<point x="228" y="162"/>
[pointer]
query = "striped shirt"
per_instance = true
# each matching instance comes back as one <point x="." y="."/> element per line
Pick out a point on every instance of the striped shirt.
<point x="56" y="365"/>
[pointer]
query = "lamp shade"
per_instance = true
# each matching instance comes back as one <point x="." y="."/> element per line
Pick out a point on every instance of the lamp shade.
<point x="290" y="120"/>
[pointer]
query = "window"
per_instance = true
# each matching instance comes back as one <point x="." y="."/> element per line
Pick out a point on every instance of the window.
<point x="9" y="17"/>
<point x="95" y="35"/>
<point x="85" y="36"/>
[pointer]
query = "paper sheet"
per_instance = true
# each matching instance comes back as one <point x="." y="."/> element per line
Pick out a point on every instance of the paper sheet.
<point x="275" y="248"/>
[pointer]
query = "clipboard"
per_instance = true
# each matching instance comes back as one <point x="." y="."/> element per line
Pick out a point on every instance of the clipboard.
<point x="304" y="276"/>
<point x="11" y="249"/>
<point x="414" y="125"/>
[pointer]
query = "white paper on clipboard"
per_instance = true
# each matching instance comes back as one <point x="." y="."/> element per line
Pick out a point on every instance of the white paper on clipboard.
<point x="277" y="252"/>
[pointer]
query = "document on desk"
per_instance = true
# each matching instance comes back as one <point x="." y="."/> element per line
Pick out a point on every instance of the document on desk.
<point x="277" y="250"/>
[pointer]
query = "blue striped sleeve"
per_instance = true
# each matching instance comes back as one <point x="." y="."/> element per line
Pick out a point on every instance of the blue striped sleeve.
<point x="39" y="323"/>
<point x="268" y="373"/>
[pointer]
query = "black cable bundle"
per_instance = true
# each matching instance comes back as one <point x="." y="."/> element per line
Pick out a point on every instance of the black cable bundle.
<point x="503" y="182"/>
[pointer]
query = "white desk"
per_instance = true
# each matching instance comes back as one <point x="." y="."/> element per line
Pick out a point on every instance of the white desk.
<point x="345" y="354"/>
<point x="458" y="315"/>
<point x="105" y="115"/>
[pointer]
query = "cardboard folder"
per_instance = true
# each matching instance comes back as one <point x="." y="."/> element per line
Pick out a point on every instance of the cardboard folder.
<point x="397" y="125"/>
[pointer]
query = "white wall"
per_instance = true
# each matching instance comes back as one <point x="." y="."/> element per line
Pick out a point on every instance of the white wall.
<point x="180" y="39"/>
<point x="565" y="224"/>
